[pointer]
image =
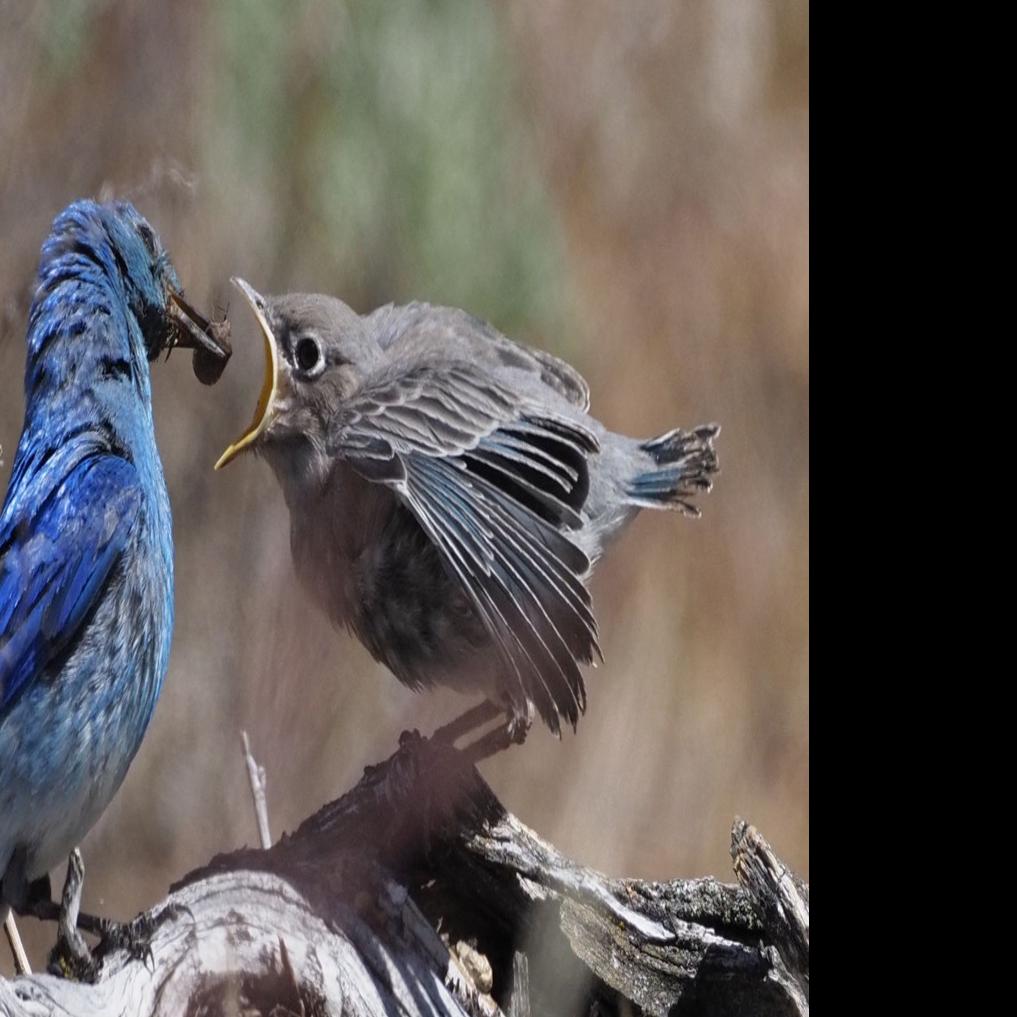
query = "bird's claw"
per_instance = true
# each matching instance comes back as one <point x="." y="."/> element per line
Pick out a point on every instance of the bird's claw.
<point x="518" y="726"/>
<point x="71" y="957"/>
<point x="135" y="937"/>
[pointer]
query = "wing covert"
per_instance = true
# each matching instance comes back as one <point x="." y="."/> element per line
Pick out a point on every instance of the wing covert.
<point x="496" y="483"/>
<point x="54" y="560"/>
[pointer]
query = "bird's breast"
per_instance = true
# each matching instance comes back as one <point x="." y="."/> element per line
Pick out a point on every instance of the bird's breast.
<point x="140" y="612"/>
<point x="331" y="530"/>
<point x="366" y="562"/>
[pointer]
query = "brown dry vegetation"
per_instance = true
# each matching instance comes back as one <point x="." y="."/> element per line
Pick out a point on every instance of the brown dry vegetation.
<point x="625" y="184"/>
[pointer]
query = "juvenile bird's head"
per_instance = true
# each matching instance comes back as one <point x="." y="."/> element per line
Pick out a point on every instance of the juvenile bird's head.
<point x="317" y="351"/>
<point x="105" y="260"/>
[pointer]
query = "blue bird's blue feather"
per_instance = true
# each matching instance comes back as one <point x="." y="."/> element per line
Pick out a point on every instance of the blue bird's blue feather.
<point x="86" y="548"/>
<point x="49" y="582"/>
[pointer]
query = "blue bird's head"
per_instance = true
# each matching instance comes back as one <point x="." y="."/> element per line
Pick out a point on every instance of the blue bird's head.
<point x="113" y="246"/>
<point x="149" y="278"/>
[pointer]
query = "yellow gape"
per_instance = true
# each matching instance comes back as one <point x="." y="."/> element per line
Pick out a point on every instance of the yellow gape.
<point x="263" y="413"/>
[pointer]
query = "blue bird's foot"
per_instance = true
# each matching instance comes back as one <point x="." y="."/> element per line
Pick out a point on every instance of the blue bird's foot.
<point x="136" y="936"/>
<point x="71" y="957"/>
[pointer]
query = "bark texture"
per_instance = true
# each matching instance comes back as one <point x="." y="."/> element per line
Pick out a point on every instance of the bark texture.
<point x="416" y="893"/>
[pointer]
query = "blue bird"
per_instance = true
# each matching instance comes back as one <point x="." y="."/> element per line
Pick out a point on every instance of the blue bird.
<point x="86" y="545"/>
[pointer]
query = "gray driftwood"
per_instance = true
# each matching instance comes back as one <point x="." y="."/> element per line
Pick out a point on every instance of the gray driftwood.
<point x="417" y="893"/>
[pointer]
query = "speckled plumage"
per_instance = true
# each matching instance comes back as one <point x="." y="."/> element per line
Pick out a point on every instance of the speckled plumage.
<point x="86" y="548"/>
<point x="449" y="494"/>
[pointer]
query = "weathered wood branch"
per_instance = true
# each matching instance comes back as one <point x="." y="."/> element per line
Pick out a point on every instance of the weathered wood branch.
<point x="418" y="893"/>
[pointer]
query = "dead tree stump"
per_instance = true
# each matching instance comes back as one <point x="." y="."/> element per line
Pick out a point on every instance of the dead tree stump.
<point x="416" y="893"/>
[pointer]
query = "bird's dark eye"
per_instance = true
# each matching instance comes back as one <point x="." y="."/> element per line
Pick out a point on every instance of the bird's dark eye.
<point x="308" y="355"/>
<point x="147" y="237"/>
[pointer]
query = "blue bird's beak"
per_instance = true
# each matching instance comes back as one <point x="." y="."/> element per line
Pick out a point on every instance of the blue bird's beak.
<point x="193" y="331"/>
<point x="265" y="411"/>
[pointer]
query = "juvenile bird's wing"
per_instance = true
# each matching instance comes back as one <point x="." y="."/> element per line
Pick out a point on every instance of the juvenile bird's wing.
<point x="59" y="540"/>
<point x="462" y="335"/>
<point x="496" y="482"/>
<point x="563" y="377"/>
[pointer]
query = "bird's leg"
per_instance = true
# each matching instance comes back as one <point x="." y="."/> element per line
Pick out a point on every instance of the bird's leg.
<point x="133" y="936"/>
<point x="469" y="721"/>
<point x="71" y="957"/>
<point x="488" y="745"/>
<point x="504" y="736"/>
<point x="39" y="904"/>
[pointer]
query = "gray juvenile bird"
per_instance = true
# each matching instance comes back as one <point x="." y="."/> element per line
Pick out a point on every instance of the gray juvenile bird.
<point x="449" y="494"/>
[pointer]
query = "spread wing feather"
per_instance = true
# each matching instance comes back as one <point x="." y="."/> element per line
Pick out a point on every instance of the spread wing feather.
<point x="496" y="483"/>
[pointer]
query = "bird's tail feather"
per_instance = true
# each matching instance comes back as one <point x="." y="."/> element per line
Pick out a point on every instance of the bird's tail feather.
<point x="686" y="461"/>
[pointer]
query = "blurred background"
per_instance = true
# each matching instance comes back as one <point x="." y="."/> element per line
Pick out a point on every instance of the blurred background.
<point x="624" y="184"/>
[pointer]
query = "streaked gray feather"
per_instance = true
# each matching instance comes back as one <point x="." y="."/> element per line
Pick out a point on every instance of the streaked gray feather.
<point x="496" y="483"/>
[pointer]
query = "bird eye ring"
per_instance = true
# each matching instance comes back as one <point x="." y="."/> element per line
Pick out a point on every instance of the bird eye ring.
<point x="308" y="356"/>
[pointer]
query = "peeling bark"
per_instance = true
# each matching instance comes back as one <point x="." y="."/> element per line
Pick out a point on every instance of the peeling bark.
<point x="417" y="893"/>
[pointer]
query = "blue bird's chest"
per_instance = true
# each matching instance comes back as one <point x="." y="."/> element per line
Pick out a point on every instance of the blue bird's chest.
<point x="86" y="713"/>
<point x="136" y="618"/>
<point x="119" y="662"/>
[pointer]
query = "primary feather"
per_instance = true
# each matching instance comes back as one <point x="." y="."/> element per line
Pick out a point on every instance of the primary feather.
<point x="494" y="482"/>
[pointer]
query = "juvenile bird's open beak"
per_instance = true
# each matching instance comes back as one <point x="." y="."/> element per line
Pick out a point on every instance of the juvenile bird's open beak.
<point x="265" y="411"/>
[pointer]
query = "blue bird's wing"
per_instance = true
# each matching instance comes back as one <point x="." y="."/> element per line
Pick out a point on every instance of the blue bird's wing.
<point x="55" y="557"/>
<point x="496" y="483"/>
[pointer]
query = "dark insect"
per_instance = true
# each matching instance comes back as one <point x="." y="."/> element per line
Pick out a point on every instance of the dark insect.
<point x="191" y="330"/>
<point x="208" y="366"/>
